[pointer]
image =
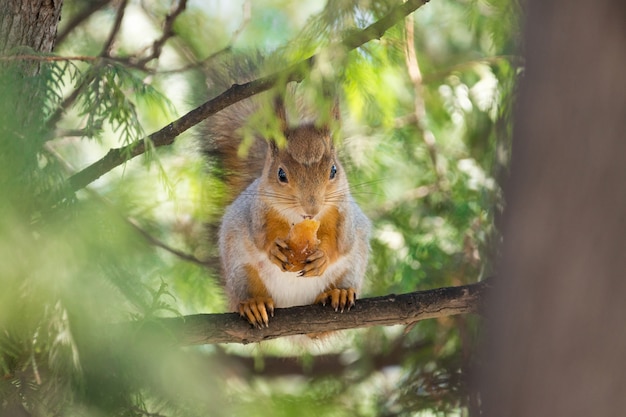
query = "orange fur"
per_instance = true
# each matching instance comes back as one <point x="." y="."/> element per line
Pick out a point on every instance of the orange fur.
<point x="256" y="288"/>
<point x="276" y="227"/>
<point x="260" y="306"/>
<point x="327" y="233"/>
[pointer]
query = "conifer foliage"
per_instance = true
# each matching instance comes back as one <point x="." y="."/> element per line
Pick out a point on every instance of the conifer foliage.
<point x="108" y="209"/>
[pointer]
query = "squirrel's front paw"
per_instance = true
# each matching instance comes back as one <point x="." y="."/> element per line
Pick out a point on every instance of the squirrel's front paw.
<point x="315" y="264"/>
<point x="256" y="309"/>
<point x="339" y="298"/>
<point x="279" y="254"/>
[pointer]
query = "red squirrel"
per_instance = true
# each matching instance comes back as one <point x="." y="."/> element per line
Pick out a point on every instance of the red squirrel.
<point x="284" y="186"/>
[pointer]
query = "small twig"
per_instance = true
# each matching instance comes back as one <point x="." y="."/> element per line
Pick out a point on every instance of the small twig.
<point x="198" y="64"/>
<point x="237" y="92"/>
<point x="159" y="243"/>
<point x="246" y="9"/>
<point x="129" y="220"/>
<point x="168" y="32"/>
<point x="92" y="8"/>
<point x="49" y="58"/>
<point x="106" y="49"/>
<point x="67" y="103"/>
<point x="415" y="74"/>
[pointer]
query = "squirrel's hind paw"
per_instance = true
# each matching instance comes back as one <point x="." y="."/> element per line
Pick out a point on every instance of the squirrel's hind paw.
<point x="256" y="309"/>
<point x="340" y="298"/>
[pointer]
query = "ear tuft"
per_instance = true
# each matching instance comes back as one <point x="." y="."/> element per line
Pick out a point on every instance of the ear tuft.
<point x="281" y="113"/>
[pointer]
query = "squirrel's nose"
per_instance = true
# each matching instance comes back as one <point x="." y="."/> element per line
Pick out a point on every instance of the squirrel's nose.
<point x="311" y="207"/>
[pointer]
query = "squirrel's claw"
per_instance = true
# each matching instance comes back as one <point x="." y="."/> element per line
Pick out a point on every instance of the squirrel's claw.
<point x="255" y="310"/>
<point x="278" y="254"/>
<point x="315" y="264"/>
<point x="339" y="298"/>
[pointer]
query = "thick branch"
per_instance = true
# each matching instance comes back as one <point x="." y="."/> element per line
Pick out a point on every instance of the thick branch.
<point x="166" y="135"/>
<point x="378" y="311"/>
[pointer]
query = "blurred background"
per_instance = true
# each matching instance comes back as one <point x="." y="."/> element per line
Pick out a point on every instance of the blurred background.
<point x="425" y="138"/>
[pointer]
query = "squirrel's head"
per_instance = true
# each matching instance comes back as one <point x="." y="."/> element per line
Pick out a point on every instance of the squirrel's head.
<point x="304" y="178"/>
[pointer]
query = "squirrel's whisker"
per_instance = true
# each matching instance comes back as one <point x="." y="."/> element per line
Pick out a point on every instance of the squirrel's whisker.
<point x="258" y="244"/>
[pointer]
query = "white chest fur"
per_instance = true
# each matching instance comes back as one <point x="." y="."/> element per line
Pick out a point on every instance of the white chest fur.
<point x="287" y="288"/>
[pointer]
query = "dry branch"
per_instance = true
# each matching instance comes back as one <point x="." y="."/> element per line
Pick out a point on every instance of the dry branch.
<point x="378" y="311"/>
<point x="167" y="134"/>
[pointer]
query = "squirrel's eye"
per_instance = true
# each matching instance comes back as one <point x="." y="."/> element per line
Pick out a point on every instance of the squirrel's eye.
<point x="333" y="172"/>
<point x="282" y="175"/>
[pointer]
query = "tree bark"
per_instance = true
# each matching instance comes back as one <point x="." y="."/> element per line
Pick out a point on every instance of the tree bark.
<point x="558" y="344"/>
<point x="378" y="311"/>
<point x="25" y="25"/>
<point x="29" y="23"/>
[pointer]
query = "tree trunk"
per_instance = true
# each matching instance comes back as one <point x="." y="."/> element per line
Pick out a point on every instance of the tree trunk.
<point x="26" y="26"/>
<point x="29" y="23"/>
<point x="557" y="340"/>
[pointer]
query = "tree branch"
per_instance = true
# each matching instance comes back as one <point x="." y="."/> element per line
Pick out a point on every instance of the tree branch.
<point x="419" y="105"/>
<point x="237" y="92"/>
<point x="117" y="25"/>
<point x="85" y="14"/>
<point x="378" y="311"/>
<point x="168" y="32"/>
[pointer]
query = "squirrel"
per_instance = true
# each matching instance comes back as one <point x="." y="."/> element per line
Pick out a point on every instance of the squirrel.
<point x="285" y="185"/>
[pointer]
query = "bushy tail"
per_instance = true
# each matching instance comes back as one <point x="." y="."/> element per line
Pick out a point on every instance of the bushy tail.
<point x="223" y="132"/>
<point x="256" y="119"/>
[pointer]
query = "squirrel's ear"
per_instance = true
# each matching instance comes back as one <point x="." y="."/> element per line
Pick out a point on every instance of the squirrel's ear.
<point x="332" y="122"/>
<point x="330" y="93"/>
<point x="281" y="113"/>
<point x="273" y="146"/>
